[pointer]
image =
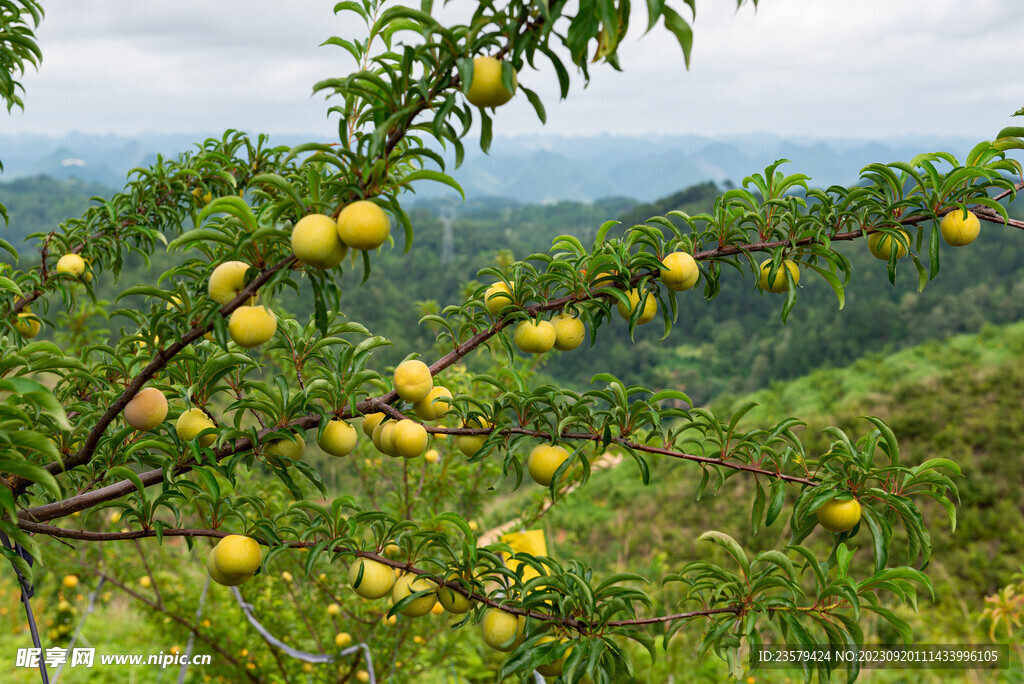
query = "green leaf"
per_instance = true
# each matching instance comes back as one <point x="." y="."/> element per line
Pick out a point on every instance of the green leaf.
<point x="671" y="394"/>
<point x="485" y="131"/>
<point x="603" y="231"/>
<point x="121" y="472"/>
<point x="645" y="471"/>
<point x="833" y="281"/>
<point x="682" y="31"/>
<point x="209" y="479"/>
<point x="458" y="521"/>
<point x="777" y="558"/>
<point x="935" y="463"/>
<point x="560" y="71"/>
<point x="31" y="471"/>
<point x="276" y="181"/>
<point x="881" y="534"/>
<point x="146" y="291"/>
<point x="10" y="286"/>
<point x="654" y="10"/>
<point x="731" y="547"/>
<point x="757" y="511"/>
<point x="790" y="295"/>
<point x="901" y="626"/>
<point x="347" y="45"/>
<point x="395" y="13"/>
<point x="933" y="251"/>
<point x="349" y="6"/>
<point x="200" y="235"/>
<point x="235" y="206"/>
<point x="437" y="176"/>
<point x="4" y="244"/>
<point x="1011" y="132"/>
<point x="812" y="563"/>
<point x="538" y="106"/>
<point x="890" y="445"/>
<point x="778" y="499"/>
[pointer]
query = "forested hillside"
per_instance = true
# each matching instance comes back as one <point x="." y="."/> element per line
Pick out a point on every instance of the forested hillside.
<point x="40" y="203"/>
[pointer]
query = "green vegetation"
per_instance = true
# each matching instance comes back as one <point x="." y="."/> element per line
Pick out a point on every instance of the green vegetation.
<point x="41" y="204"/>
<point x="243" y="325"/>
<point x="617" y="525"/>
<point x="736" y="346"/>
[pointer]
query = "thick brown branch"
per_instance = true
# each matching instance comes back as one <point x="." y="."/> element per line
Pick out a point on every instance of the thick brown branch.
<point x="87" y="500"/>
<point x="86" y="535"/>
<point x="986" y="214"/>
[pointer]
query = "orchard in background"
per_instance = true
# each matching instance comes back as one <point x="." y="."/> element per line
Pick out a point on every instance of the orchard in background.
<point x="224" y="437"/>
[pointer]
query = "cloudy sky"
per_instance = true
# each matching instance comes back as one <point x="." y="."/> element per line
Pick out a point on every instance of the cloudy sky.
<point x="864" y="68"/>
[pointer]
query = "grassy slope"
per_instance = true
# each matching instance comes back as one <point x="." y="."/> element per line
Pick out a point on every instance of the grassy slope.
<point x="962" y="399"/>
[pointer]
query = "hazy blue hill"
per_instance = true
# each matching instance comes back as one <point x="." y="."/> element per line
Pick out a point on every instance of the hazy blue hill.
<point x="539" y="169"/>
<point x="64" y="163"/>
<point x="692" y="200"/>
<point x="548" y="177"/>
<point x="533" y="169"/>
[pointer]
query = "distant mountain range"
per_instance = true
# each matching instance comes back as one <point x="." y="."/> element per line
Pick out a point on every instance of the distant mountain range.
<point x="533" y="169"/>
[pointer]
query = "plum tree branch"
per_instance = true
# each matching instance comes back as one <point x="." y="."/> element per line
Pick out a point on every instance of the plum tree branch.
<point x="47" y="276"/>
<point x="149" y="478"/>
<point x="1017" y="187"/>
<point x="661" y="619"/>
<point x="81" y="502"/>
<point x="987" y="214"/>
<point x="451" y="79"/>
<point x="629" y="444"/>
<point x="161" y="359"/>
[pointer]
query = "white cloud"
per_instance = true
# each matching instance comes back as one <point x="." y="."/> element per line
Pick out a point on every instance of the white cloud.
<point x="869" y="68"/>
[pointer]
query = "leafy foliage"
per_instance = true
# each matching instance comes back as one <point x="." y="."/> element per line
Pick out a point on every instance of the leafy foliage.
<point x="236" y="198"/>
<point x="18" y="47"/>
